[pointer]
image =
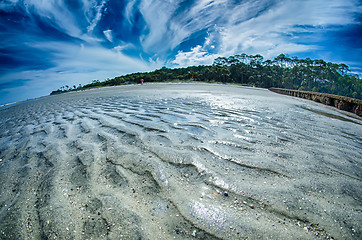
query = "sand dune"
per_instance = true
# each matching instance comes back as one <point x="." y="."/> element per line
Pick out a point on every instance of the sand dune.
<point x="179" y="161"/>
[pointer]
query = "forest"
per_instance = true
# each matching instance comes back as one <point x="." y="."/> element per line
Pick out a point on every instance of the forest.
<point x="251" y="70"/>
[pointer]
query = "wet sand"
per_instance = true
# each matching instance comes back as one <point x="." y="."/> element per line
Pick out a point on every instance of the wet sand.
<point x="179" y="161"/>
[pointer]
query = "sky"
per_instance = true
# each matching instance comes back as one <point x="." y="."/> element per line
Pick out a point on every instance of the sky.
<point x="46" y="44"/>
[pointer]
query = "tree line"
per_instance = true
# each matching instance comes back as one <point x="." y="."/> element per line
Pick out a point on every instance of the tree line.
<point x="252" y="70"/>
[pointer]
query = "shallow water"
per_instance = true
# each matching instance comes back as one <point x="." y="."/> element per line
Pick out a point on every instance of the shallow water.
<point x="179" y="161"/>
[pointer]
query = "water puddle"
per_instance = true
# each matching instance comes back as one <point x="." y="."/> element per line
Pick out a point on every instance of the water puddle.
<point x="332" y="116"/>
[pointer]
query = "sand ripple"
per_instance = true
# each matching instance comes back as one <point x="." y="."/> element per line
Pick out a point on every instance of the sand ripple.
<point x="178" y="161"/>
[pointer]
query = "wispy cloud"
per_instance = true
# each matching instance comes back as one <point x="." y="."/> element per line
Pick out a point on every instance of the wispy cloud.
<point x="93" y="12"/>
<point x="270" y="28"/>
<point x="158" y="16"/>
<point x="108" y="34"/>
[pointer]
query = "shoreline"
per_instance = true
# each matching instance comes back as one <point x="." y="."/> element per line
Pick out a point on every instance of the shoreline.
<point x="340" y="102"/>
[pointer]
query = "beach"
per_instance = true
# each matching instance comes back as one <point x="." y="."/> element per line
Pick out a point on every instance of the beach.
<point x="179" y="161"/>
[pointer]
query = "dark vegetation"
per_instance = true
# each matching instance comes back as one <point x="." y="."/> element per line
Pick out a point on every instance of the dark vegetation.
<point x="252" y="70"/>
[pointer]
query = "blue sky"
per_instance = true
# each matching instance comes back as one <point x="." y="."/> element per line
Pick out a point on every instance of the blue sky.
<point x="46" y="44"/>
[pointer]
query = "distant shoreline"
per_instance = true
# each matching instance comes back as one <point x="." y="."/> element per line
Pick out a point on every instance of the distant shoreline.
<point x="344" y="103"/>
<point x="6" y="105"/>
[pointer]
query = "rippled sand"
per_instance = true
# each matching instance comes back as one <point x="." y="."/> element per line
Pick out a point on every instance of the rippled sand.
<point x="179" y="161"/>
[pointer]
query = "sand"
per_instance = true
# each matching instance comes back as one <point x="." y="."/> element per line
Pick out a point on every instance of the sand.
<point x="179" y="161"/>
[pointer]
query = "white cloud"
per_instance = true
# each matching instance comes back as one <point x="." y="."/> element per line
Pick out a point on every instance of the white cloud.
<point x="92" y="58"/>
<point x="260" y="26"/>
<point x="157" y="14"/>
<point x="93" y="19"/>
<point x="123" y="46"/>
<point x="167" y="26"/>
<point x="57" y="12"/>
<point x="108" y="34"/>
<point x="197" y="56"/>
<point x="273" y="31"/>
<point x="128" y="12"/>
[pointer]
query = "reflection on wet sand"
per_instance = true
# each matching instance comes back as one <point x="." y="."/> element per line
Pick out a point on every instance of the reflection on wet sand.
<point x="333" y="116"/>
